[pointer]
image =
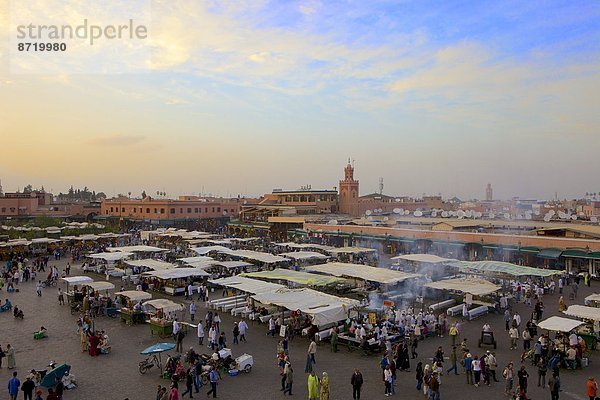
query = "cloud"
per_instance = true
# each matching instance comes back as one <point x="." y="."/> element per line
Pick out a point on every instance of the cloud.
<point x="117" y="140"/>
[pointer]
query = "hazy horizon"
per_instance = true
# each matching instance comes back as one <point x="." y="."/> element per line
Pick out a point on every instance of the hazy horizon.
<point x="241" y="99"/>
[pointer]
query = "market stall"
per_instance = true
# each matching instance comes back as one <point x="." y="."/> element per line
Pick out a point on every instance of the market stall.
<point x="296" y="277"/>
<point x="175" y="281"/>
<point x="593" y="300"/>
<point x="130" y="312"/>
<point x="104" y="263"/>
<point x="162" y="312"/>
<point x="590" y="331"/>
<point x="74" y="281"/>
<point x="478" y="294"/>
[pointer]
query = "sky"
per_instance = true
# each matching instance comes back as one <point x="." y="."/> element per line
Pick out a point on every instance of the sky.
<point x="240" y="97"/>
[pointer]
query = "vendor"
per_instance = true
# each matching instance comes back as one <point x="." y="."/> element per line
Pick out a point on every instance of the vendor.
<point x="68" y="381"/>
<point x="138" y="306"/>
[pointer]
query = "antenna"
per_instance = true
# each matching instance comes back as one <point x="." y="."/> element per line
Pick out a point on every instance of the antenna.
<point x="380" y="186"/>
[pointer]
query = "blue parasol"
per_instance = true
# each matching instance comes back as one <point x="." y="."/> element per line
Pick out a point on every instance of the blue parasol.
<point x="158" y="348"/>
<point x="54" y="375"/>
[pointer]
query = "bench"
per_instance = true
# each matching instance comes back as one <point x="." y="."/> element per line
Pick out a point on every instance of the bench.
<point x="477" y="312"/>
<point x="322" y="335"/>
<point x="443" y="305"/>
<point x="456" y="310"/>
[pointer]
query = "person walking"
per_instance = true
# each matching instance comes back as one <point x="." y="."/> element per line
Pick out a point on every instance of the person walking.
<point x="312" y="350"/>
<point x="192" y="310"/>
<point x="189" y="384"/>
<point x="200" y="332"/>
<point x="236" y="333"/>
<point x="542" y="369"/>
<point x="513" y="333"/>
<point x="288" y="372"/>
<point x="554" y="385"/>
<point x="179" y="337"/>
<point x="13" y="386"/>
<point x="387" y="380"/>
<point x="453" y="361"/>
<point x="313" y="386"/>
<point x="523" y="375"/>
<point x="591" y="388"/>
<point x="476" y="370"/>
<point x="28" y="387"/>
<point x="434" y="386"/>
<point x="453" y="332"/>
<point x="38" y="288"/>
<point x="334" y="340"/>
<point x="214" y="379"/>
<point x="2" y="355"/>
<point x="468" y="366"/>
<point x="243" y="326"/>
<point x="174" y="393"/>
<point x="356" y="381"/>
<point x="61" y="297"/>
<point x="419" y="375"/>
<point x="509" y="377"/>
<point x="492" y="364"/>
<point x="10" y="357"/>
<point x="324" y="393"/>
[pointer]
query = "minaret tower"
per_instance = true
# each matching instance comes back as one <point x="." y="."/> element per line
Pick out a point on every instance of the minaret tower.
<point x="349" y="192"/>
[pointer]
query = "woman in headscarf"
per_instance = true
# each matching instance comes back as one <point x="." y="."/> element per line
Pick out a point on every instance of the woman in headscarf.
<point x="313" y="386"/>
<point x="426" y="377"/>
<point x="562" y="306"/>
<point x="325" y="387"/>
<point x="419" y="375"/>
<point x="10" y="356"/>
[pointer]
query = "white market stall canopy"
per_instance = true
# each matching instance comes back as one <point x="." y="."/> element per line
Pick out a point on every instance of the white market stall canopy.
<point x="165" y="305"/>
<point x="364" y="272"/>
<point x="137" y="249"/>
<point x="259" y="256"/>
<point x="15" y="243"/>
<point x="304" y="255"/>
<point x="156" y="265"/>
<point x="302" y="278"/>
<point x="423" y="258"/>
<point x="323" y="308"/>
<point x="189" y="260"/>
<point x="135" y="295"/>
<point x="350" y="250"/>
<point x="247" y="285"/>
<point x="177" y="273"/>
<point x="207" y="249"/>
<point x="77" y="280"/>
<point x="476" y="287"/>
<point x="583" y="312"/>
<point x="99" y="286"/>
<point x="232" y="264"/>
<point x="559" y="324"/>
<point x="501" y="268"/>
<point x="110" y="257"/>
<point x="592" y="298"/>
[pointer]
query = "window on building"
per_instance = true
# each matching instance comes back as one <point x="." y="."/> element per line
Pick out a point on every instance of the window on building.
<point x="3" y="209"/>
<point x="147" y="211"/>
<point x="162" y="210"/>
<point x="181" y="211"/>
<point x="205" y="209"/>
<point x="218" y="209"/>
<point x="213" y="209"/>
<point x="172" y="211"/>
<point x="122" y="209"/>
<point x="106" y="212"/>
<point x="189" y="210"/>
<point x="155" y="211"/>
<point x="111" y="209"/>
<point x="232" y="210"/>
<point x="134" y="209"/>
<point x="196" y="210"/>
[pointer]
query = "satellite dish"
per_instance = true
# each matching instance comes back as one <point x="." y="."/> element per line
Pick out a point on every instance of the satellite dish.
<point x="386" y="218"/>
<point x="401" y="211"/>
<point x="406" y="212"/>
<point x="506" y="216"/>
<point x="418" y="214"/>
<point x="551" y="212"/>
<point x="547" y="218"/>
<point x="434" y="214"/>
<point x="370" y="218"/>
<point x="398" y="200"/>
<point x="460" y="214"/>
<point x="468" y="213"/>
<point x="574" y="217"/>
<point x="478" y="214"/>
<point x="396" y="211"/>
<point x="332" y="222"/>
<point x="594" y="219"/>
<point x="491" y="215"/>
<point x="519" y="216"/>
<point x="537" y="212"/>
<point x="444" y="214"/>
<point x="527" y="216"/>
<point x="368" y="212"/>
